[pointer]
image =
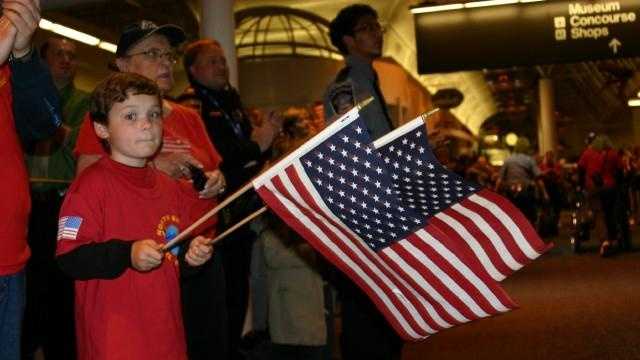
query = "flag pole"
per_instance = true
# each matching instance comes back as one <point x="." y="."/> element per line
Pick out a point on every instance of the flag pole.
<point x="239" y="224"/>
<point x="207" y="216"/>
<point x="425" y="115"/>
<point x="186" y="232"/>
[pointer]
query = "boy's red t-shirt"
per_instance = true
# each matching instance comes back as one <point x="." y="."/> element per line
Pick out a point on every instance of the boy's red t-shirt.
<point x="137" y="315"/>
<point x="14" y="192"/>
<point x="183" y="131"/>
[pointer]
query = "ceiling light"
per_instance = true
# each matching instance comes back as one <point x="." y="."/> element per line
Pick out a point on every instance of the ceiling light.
<point x="469" y="5"/>
<point x="634" y="102"/>
<point x="489" y="3"/>
<point x="427" y="9"/>
<point x="108" y="46"/>
<point x="76" y="35"/>
<point x="511" y="139"/>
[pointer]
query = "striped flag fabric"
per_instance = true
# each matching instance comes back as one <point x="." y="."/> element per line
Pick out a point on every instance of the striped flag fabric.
<point x="68" y="227"/>
<point x="338" y="193"/>
<point x="488" y="227"/>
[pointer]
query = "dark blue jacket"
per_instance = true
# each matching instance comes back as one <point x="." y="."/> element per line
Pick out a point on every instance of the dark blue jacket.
<point x="36" y="105"/>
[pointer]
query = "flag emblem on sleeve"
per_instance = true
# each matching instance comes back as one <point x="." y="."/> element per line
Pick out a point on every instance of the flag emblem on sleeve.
<point x="68" y="227"/>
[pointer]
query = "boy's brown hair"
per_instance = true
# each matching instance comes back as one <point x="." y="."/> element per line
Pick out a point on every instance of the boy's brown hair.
<point x="117" y="88"/>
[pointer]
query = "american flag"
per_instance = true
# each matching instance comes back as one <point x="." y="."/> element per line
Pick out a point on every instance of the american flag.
<point x="490" y="229"/>
<point x="68" y="227"/>
<point x="338" y="193"/>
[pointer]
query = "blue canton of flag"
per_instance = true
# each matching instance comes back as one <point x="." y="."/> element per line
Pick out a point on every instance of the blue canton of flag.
<point x="486" y="226"/>
<point x="68" y="227"/>
<point x="418" y="177"/>
<point x="349" y="174"/>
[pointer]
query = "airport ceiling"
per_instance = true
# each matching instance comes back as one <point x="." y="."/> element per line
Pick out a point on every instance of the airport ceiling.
<point x="591" y="93"/>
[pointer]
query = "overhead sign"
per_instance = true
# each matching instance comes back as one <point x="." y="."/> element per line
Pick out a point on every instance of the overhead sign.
<point x="527" y="34"/>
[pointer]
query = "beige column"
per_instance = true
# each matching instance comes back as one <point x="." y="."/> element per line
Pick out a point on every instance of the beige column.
<point x="547" y="133"/>
<point x="217" y="22"/>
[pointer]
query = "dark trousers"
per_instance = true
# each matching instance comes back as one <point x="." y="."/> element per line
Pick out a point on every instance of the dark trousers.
<point x="366" y="334"/>
<point x="204" y="311"/>
<point x="236" y="254"/>
<point x="49" y="315"/>
<point x="609" y="199"/>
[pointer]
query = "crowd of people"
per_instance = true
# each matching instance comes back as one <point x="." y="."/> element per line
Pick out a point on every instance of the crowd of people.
<point x="602" y="184"/>
<point x="112" y="176"/>
<point x="118" y="173"/>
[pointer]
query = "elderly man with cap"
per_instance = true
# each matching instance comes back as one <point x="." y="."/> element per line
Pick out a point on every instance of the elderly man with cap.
<point x="149" y="50"/>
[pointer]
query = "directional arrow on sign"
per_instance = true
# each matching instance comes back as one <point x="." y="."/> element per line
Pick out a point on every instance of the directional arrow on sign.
<point x="614" y="44"/>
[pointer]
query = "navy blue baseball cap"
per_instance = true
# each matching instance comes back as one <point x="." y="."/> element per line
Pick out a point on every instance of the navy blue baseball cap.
<point x="141" y="30"/>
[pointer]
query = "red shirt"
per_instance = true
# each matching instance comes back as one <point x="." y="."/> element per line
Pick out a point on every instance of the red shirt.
<point x="606" y="162"/>
<point x="183" y="131"/>
<point x="138" y="314"/>
<point x="14" y="192"/>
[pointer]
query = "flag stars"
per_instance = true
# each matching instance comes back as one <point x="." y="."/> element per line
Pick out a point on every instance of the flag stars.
<point x="342" y="180"/>
<point x="367" y="164"/>
<point x="357" y="144"/>
<point x="341" y="193"/>
<point x="343" y="167"/>
<point x="332" y="147"/>
<point x="332" y="162"/>
<point x="345" y="139"/>
<point x="366" y="178"/>
<point x="419" y="162"/>
<point x="377" y="184"/>
<point x="359" y="130"/>
<point x="353" y="199"/>
<point x="344" y="153"/>
<point x="379" y="170"/>
<point x="354" y="172"/>
<point x="355" y="159"/>
<point x="320" y="156"/>
<point x="363" y="205"/>
<point x="368" y="150"/>
<point x="376" y="198"/>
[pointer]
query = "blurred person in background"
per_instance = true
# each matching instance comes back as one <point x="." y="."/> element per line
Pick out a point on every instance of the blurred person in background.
<point x="599" y="167"/>
<point x="521" y="180"/>
<point x="244" y="149"/>
<point x="49" y="311"/>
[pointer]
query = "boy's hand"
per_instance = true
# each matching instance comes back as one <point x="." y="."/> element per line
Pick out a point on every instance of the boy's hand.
<point x="199" y="251"/>
<point x="146" y="255"/>
<point x="215" y="185"/>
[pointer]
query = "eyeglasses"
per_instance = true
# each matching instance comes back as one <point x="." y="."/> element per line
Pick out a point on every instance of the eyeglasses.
<point x="370" y="27"/>
<point x="157" y="55"/>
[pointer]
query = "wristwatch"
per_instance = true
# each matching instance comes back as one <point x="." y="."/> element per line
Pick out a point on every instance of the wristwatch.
<point x="24" y="58"/>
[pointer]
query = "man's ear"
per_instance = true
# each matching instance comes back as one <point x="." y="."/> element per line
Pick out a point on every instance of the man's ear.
<point x="122" y="64"/>
<point x="349" y="42"/>
<point x="101" y="130"/>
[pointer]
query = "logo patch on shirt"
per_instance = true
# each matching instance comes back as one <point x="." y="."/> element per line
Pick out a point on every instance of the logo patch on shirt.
<point x="167" y="229"/>
<point x="68" y="227"/>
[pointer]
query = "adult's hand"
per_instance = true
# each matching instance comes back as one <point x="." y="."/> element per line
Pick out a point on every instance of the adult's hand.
<point x="267" y="131"/>
<point x="199" y="251"/>
<point x="7" y="38"/>
<point x="25" y="17"/>
<point x="216" y="185"/>
<point x="175" y="165"/>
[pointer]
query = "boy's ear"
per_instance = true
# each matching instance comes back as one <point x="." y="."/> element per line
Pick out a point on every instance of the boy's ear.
<point x="101" y="130"/>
